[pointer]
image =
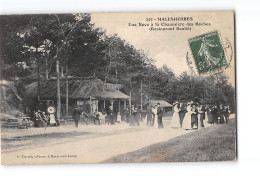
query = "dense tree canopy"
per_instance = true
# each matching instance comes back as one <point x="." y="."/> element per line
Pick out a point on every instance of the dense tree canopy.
<point x="39" y="40"/>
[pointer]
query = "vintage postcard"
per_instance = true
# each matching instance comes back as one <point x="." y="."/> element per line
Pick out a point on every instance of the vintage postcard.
<point x="118" y="87"/>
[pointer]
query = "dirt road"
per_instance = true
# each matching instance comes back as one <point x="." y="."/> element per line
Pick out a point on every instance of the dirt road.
<point x="92" y="150"/>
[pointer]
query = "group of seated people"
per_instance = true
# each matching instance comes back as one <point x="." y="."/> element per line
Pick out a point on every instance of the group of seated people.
<point x="98" y="118"/>
<point x="41" y="119"/>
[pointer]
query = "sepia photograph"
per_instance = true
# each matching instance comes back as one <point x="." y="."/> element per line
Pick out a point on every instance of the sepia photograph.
<point x="139" y="87"/>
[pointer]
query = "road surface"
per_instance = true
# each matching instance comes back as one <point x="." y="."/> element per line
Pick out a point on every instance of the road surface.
<point x="94" y="149"/>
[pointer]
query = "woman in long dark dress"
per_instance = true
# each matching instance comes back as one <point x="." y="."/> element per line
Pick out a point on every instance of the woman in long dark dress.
<point x="209" y="115"/>
<point x="182" y="112"/>
<point x="194" y="116"/>
<point x="221" y="114"/>
<point x="215" y="114"/>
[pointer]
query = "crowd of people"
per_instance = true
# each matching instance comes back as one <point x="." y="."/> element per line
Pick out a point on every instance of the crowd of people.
<point x="194" y="115"/>
<point x="110" y="117"/>
<point x="185" y="115"/>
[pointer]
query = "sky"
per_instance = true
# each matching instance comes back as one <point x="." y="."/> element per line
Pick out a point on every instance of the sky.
<point x="166" y="47"/>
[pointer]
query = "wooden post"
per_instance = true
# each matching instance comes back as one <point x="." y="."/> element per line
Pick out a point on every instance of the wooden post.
<point x="124" y="104"/>
<point x="58" y="90"/>
<point x="67" y="92"/>
<point x="96" y="104"/>
<point x="91" y="105"/>
<point x="119" y="106"/>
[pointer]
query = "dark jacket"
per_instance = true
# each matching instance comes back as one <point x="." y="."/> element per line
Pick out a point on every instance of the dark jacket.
<point x="149" y="112"/>
<point x="110" y="114"/>
<point x="76" y="114"/>
<point x="135" y="113"/>
<point x="194" y="115"/>
<point x="226" y="112"/>
<point x="202" y="112"/>
<point x="160" y="112"/>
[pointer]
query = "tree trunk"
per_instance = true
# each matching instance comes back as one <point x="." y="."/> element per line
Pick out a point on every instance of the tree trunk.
<point x="38" y="81"/>
<point x="58" y="90"/>
<point x="130" y="104"/>
<point x="141" y="95"/>
<point x="67" y="92"/>
<point x="149" y="90"/>
<point x="62" y="75"/>
<point x="46" y="69"/>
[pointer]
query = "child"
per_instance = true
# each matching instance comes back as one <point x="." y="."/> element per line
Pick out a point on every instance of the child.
<point x="118" y="117"/>
<point x="102" y="117"/>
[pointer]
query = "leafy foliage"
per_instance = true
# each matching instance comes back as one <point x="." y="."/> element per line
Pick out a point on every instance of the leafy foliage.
<point x="39" y="40"/>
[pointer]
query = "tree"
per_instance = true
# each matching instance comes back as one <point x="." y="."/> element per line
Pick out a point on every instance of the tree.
<point x="50" y="43"/>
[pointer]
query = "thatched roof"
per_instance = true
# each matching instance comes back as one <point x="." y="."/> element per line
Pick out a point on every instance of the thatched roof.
<point x="78" y="89"/>
<point x="162" y="103"/>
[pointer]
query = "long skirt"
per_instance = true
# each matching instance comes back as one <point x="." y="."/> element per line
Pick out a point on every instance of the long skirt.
<point x="210" y="118"/>
<point x="206" y="117"/>
<point x="175" y="122"/>
<point x="186" y="124"/>
<point x="181" y="115"/>
<point x="52" y="119"/>
<point x="194" y="121"/>
<point x="201" y="121"/>
<point x="156" y="121"/>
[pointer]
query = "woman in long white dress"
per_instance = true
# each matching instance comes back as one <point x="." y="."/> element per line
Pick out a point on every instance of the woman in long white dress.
<point x="186" y="124"/>
<point x="51" y="111"/>
<point x="175" y="122"/>
<point x="155" y="116"/>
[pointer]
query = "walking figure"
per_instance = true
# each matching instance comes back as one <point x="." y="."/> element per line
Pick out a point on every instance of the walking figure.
<point x="160" y="115"/>
<point x="149" y="116"/>
<point x="76" y="115"/>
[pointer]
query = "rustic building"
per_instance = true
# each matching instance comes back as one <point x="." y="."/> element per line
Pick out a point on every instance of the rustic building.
<point x="90" y="93"/>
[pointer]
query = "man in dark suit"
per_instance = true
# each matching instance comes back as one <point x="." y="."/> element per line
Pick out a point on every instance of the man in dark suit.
<point x="226" y="112"/>
<point x="202" y="111"/>
<point x="160" y="115"/>
<point x="111" y="115"/>
<point x="215" y="114"/>
<point x="127" y="115"/>
<point x="135" y="114"/>
<point x="76" y="115"/>
<point x="149" y="116"/>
